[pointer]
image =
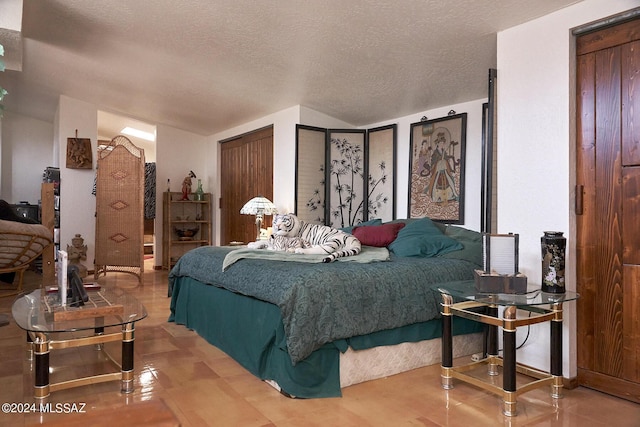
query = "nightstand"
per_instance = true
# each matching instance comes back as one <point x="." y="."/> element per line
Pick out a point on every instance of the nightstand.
<point x="463" y="300"/>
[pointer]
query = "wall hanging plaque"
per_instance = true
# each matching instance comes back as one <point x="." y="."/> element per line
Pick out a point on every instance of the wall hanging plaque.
<point x="79" y="153"/>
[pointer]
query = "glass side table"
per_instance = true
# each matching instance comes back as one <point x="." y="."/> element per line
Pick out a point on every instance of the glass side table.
<point x="40" y="314"/>
<point x="463" y="300"/>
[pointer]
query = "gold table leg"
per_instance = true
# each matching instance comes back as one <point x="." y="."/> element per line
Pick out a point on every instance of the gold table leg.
<point x="41" y="351"/>
<point x="127" y="357"/>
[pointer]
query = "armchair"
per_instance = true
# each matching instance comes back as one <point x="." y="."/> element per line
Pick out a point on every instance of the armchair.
<point x="20" y="245"/>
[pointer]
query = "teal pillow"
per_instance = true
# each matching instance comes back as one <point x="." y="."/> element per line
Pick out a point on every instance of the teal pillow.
<point x="349" y="229"/>
<point x="472" y="242"/>
<point x="406" y="221"/>
<point x="422" y="238"/>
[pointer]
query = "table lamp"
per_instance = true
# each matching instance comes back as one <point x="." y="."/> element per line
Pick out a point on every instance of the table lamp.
<point x="259" y="206"/>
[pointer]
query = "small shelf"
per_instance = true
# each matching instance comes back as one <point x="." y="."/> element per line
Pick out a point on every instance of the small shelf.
<point x="172" y="246"/>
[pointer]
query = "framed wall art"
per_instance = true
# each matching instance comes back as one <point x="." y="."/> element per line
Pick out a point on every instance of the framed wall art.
<point x="436" y="170"/>
<point x="79" y="154"/>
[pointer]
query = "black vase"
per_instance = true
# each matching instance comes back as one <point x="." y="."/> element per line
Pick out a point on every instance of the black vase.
<point x="553" y="256"/>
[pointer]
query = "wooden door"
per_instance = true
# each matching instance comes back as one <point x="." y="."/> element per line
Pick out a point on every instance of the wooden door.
<point x="246" y="171"/>
<point x="608" y="210"/>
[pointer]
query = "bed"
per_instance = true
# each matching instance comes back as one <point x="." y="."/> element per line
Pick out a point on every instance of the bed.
<point x="311" y="328"/>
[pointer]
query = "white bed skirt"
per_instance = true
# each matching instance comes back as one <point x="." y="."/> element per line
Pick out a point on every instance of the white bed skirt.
<point x="379" y="362"/>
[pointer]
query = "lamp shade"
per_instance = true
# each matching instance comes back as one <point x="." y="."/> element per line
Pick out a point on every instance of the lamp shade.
<point x="259" y="205"/>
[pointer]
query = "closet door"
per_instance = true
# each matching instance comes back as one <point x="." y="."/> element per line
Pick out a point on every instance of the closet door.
<point x="246" y="171"/>
<point x="607" y="210"/>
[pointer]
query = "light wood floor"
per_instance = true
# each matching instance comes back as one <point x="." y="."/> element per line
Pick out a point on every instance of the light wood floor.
<point x="202" y="386"/>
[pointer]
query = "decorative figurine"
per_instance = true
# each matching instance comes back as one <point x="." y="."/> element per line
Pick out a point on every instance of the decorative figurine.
<point x="77" y="253"/>
<point x="186" y="185"/>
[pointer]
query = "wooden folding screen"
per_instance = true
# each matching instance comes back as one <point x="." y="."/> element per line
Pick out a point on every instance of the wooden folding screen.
<point x="120" y="209"/>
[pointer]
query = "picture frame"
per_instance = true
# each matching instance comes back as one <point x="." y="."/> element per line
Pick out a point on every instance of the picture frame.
<point x="79" y="154"/>
<point x="436" y="169"/>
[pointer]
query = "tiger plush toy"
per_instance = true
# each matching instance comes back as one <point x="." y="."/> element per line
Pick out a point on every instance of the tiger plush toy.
<point x="322" y="239"/>
<point x="280" y="243"/>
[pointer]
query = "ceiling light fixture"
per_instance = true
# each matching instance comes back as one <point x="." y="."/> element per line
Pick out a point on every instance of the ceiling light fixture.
<point x="139" y="133"/>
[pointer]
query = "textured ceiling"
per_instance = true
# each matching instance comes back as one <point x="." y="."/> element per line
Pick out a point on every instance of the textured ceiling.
<point x="208" y="65"/>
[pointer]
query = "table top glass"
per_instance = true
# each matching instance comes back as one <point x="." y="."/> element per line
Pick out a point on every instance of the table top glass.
<point x="41" y="312"/>
<point x="466" y="290"/>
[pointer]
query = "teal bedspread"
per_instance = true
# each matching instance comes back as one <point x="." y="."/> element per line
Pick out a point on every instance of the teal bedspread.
<point x="252" y="333"/>
<point x="326" y="303"/>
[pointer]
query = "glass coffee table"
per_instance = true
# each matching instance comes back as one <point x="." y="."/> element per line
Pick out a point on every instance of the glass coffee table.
<point x="41" y="315"/>
<point x="463" y="300"/>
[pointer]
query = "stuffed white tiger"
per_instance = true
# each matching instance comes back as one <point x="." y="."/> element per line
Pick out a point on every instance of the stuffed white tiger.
<point x="280" y="243"/>
<point x="321" y="238"/>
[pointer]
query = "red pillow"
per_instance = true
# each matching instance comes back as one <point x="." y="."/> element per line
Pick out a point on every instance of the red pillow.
<point x="377" y="235"/>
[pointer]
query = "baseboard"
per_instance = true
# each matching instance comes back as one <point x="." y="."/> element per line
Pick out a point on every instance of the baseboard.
<point x="570" y="383"/>
<point x="615" y="386"/>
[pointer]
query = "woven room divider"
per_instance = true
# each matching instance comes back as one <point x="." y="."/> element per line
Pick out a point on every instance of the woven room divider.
<point x="120" y="209"/>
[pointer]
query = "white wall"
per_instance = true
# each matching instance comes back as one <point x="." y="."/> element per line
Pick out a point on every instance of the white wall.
<point x="311" y="117"/>
<point x="26" y="152"/>
<point x="177" y="153"/>
<point x="536" y="148"/>
<point x="149" y="147"/>
<point x="77" y="204"/>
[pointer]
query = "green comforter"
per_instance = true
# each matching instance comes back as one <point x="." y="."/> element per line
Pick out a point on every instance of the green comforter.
<point x="322" y="303"/>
